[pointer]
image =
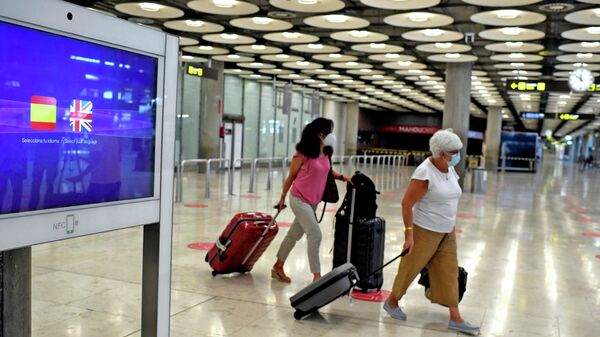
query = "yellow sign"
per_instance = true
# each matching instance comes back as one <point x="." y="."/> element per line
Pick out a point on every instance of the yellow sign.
<point x="195" y="71"/>
<point x="528" y="86"/>
<point x="569" y="117"/>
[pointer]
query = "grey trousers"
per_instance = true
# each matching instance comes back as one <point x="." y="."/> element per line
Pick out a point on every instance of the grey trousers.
<point x="305" y="222"/>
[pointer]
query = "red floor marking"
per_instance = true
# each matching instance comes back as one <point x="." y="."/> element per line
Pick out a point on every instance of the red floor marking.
<point x="579" y="210"/>
<point x="466" y="216"/>
<point x="195" y="205"/>
<point x="457" y="230"/>
<point x="598" y="256"/>
<point x="250" y="196"/>
<point x="592" y="234"/>
<point x="284" y="224"/>
<point x="379" y="296"/>
<point x="201" y="245"/>
<point x="584" y="219"/>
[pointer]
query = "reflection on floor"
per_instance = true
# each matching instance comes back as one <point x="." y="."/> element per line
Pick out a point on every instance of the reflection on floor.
<point x="530" y="245"/>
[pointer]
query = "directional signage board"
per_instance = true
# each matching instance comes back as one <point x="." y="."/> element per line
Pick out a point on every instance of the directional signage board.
<point x="544" y="86"/>
<point x="561" y="116"/>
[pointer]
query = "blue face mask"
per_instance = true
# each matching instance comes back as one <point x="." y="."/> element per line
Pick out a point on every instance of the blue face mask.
<point x="455" y="160"/>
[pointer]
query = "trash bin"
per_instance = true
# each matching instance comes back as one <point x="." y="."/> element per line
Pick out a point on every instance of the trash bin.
<point x="478" y="180"/>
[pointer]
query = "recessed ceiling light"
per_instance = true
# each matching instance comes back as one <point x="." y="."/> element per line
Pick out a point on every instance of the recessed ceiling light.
<point x="359" y="33"/>
<point x="590" y="44"/>
<point x="233" y="56"/>
<point x="224" y="3"/>
<point x="584" y="55"/>
<point x="419" y="16"/>
<point x="508" y="14"/>
<point x="433" y="32"/>
<point x="292" y="35"/>
<point x="194" y="23"/>
<point x="335" y="56"/>
<point x="150" y="7"/>
<point x="514" y="44"/>
<point x="517" y="64"/>
<point x="439" y="86"/>
<point x="377" y="45"/>
<point x="302" y="63"/>
<point x="262" y="20"/>
<point x="596" y="12"/>
<point x="580" y="65"/>
<point x="452" y="55"/>
<point x="593" y="30"/>
<point x="307" y="2"/>
<point x="309" y="80"/>
<point x="335" y="76"/>
<point x="367" y="71"/>
<point x="255" y="75"/>
<point x="388" y="82"/>
<point x="351" y="64"/>
<point x="294" y="75"/>
<point x="228" y="36"/>
<point x="282" y="56"/>
<point x="315" y="46"/>
<point x="511" y="31"/>
<point x="258" y="47"/>
<point x="256" y="64"/>
<point x="187" y="57"/>
<point x="392" y="55"/>
<point x="206" y="48"/>
<point x="519" y="72"/>
<point x="320" y="70"/>
<point x="424" y="77"/>
<point x="348" y="81"/>
<point x="414" y="71"/>
<point x="404" y="63"/>
<point x="377" y="76"/>
<point x="336" y="18"/>
<point x="443" y="45"/>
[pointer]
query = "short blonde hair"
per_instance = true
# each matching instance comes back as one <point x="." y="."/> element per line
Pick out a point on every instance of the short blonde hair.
<point x="444" y="141"/>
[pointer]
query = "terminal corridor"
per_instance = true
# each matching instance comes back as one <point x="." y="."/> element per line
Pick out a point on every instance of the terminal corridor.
<point x="531" y="246"/>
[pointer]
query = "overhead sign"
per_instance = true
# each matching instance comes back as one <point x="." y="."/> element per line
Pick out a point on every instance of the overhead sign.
<point x="571" y="117"/>
<point x="532" y="115"/>
<point x="544" y="86"/>
<point x="202" y="72"/>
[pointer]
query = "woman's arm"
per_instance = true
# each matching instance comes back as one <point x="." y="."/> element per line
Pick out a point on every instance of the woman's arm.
<point x="339" y="176"/>
<point x="295" y="166"/>
<point x="415" y="192"/>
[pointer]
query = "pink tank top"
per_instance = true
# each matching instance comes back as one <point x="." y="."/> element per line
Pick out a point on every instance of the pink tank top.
<point x="309" y="184"/>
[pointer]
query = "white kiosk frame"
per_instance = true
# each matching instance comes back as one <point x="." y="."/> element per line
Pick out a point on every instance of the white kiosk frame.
<point x="154" y="213"/>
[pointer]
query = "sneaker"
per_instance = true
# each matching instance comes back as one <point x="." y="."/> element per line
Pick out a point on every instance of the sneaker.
<point x="394" y="312"/>
<point x="464" y="327"/>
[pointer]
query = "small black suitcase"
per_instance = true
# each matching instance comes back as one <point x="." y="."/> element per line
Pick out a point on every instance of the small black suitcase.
<point x="366" y="243"/>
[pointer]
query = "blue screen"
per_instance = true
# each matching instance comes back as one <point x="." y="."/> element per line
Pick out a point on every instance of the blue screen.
<point x="77" y="121"/>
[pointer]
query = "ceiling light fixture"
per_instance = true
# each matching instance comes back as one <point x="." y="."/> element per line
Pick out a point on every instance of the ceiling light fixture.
<point x="516" y="55"/>
<point x="419" y="16"/>
<point x="227" y="36"/>
<point x="194" y="23"/>
<point x="291" y="35"/>
<point x="224" y="3"/>
<point x="514" y="44"/>
<point x="282" y="56"/>
<point x="508" y="14"/>
<point x="580" y="65"/>
<point x="351" y="64"/>
<point x="262" y="20"/>
<point x="593" y="30"/>
<point x="513" y="31"/>
<point x="150" y="7"/>
<point x="443" y="45"/>
<point x="336" y="18"/>
<point x="258" y="47"/>
<point x="206" y="48"/>
<point x="392" y="56"/>
<point x="315" y="46"/>
<point x="404" y="63"/>
<point x="302" y="63"/>
<point x="367" y="71"/>
<point x="377" y="45"/>
<point x="233" y="56"/>
<point x="307" y="2"/>
<point x="433" y="32"/>
<point x="359" y="33"/>
<point x="256" y="64"/>
<point x="590" y="44"/>
<point x="335" y="56"/>
<point x="517" y="64"/>
<point x="452" y="55"/>
<point x="294" y="76"/>
<point x="597" y="12"/>
<point x="585" y="55"/>
<point x="187" y="57"/>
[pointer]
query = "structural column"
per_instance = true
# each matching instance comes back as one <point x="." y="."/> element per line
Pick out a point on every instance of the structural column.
<point x="493" y="132"/>
<point x="15" y="293"/>
<point x="211" y="116"/>
<point x="335" y="111"/>
<point x="457" y="106"/>
<point x="351" y="143"/>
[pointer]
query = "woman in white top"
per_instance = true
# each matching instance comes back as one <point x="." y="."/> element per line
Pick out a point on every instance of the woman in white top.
<point x="429" y="211"/>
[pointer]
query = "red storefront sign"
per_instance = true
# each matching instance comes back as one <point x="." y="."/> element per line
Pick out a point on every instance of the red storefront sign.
<point x="409" y="129"/>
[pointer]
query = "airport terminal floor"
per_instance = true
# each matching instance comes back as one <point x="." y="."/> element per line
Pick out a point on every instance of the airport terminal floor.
<point x="530" y="245"/>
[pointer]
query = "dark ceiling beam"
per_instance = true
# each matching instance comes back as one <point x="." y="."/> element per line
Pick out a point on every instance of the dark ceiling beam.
<point x="559" y="126"/>
<point x="583" y="125"/>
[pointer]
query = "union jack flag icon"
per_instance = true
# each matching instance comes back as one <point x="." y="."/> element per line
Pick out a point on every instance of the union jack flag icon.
<point x="81" y="115"/>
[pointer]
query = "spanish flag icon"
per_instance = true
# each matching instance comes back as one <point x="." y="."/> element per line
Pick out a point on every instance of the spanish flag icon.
<point x="43" y="113"/>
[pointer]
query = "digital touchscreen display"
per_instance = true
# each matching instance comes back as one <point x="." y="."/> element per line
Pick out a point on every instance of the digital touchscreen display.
<point x="77" y="121"/>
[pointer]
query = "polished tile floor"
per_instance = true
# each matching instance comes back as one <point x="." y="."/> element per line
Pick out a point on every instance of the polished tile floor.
<point x="531" y="246"/>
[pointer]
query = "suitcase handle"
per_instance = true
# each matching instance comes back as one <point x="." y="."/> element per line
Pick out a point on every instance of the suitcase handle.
<point x="385" y="265"/>
<point x="262" y="235"/>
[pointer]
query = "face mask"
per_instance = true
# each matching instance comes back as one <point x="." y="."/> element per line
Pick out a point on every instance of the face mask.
<point x="455" y="160"/>
<point x="330" y="140"/>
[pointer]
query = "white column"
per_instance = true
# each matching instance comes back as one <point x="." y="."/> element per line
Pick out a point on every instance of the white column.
<point x="493" y="132"/>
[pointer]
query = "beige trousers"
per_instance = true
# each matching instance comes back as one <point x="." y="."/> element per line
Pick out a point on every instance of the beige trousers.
<point x="438" y="251"/>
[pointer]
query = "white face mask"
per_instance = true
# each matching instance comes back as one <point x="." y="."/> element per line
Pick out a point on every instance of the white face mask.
<point x="330" y="140"/>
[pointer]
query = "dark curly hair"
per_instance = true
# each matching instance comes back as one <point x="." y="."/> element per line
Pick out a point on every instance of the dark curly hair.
<point x="310" y="143"/>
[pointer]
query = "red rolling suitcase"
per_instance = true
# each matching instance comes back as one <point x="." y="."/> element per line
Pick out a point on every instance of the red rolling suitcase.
<point x="242" y="243"/>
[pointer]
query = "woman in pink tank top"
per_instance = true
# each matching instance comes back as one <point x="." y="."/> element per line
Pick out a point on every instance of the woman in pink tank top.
<point x="306" y="179"/>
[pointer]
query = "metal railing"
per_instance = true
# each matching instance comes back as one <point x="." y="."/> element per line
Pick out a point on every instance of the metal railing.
<point x="179" y="197"/>
<point x="208" y="162"/>
<point x="230" y="182"/>
<point x="255" y="163"/>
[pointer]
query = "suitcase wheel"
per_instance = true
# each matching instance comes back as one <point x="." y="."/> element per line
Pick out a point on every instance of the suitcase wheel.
<point x="298" y="314"/>
<point x="214" y="273"/>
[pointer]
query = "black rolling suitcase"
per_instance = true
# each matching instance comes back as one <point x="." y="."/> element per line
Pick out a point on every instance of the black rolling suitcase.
<point x="366" y="242"/>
